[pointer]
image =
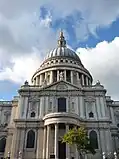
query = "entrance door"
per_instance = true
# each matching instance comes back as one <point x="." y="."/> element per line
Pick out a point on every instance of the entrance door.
<point x="61" y="150"/>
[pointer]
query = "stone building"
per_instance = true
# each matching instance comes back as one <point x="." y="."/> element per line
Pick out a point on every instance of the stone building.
<point x="60" y="97"/>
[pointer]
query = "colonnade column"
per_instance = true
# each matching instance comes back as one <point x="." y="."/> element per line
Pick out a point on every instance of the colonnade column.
<point x="51" y="76"/>
<point x="44" y="142"/>
<point x="34" y="81"/>
<point x="48" y="141"/>
<point x="67" y="146"/>
<point x="37" y="80"/>
<point x="56" y="142"/>
<point x="77" y="77"/>
<point x="72" y="77"/>
<point x="86" y="81"/>
<point x="65" y="75"/>
<point x="82" y="76"/>
<point x="57" y="75"/>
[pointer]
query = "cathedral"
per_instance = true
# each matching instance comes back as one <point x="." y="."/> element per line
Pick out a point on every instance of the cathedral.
<point x="61" y="96"/>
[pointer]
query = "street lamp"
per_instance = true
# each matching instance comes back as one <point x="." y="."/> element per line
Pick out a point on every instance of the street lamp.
<point x="20" y="155"/>
<point x="8" y="156"/>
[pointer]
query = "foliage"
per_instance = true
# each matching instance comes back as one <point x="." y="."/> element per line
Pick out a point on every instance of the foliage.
<point x="80" y="139"/>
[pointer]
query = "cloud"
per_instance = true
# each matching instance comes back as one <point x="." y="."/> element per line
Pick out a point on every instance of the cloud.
<point x="93" y="14"/>
<point x="102" y="61"/>
<point x="22" y="68"/>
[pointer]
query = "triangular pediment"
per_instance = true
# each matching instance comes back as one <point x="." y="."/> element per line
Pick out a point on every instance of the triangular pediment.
<point x="62" y="85"/>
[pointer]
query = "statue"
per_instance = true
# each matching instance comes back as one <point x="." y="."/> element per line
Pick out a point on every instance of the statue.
<point x="61" y="76"/>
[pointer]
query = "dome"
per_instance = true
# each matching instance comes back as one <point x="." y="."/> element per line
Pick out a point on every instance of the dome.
<point x="62" y="50"/>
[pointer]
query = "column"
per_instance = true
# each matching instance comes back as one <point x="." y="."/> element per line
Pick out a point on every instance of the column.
<point x="51" y="76"/>
<point x="25" y="107"/>
<point x="48" y="139"/>
<point x="72" y="77"/>
<point x="45" y="75"/>
<point x="44" y="142"/>
<point x="82" y="111"/>
<point x="86" y="81"/>
<point x="57" y="75"/>
<point x="34" y="81"/>
<point x="77" y="77"/>
<point x="65" y="75"/>
<point x="40" y="142"/>
<point x="67" y="146"/>
<point x="56" y="142"/>
<point x="82" y="76"/>
<point x="112" y="115"/>
<point x="98" y="108"/>
<point x="37" y="80"/>
<point x="40" y="79"/>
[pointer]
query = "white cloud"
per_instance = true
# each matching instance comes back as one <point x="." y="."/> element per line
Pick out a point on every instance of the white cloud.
<point x="103" y="63"/>
<point x="23" y="68"/>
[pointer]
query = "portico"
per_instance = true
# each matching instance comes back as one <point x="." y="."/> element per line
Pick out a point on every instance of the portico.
<point x="54" y="146"/>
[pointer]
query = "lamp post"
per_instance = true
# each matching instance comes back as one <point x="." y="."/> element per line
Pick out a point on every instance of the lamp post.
<point x="108" y="155"/>
<point x="20" y="155"/>
<point x="8" y="156"/>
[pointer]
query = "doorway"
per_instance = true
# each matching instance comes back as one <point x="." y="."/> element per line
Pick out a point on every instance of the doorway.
<point x="61" y="150"/>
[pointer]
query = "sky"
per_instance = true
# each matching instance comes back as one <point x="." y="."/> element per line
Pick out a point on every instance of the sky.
<point x="29" y="29"/>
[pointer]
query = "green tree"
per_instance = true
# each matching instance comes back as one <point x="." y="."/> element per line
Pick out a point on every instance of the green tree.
<point x="79" y="138"/>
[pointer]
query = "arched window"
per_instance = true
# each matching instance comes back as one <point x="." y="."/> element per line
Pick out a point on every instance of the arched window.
<point x="91" y="115"/>
<point x="33" y="114"/>
<point x="2" y="144"/>
<point x="30" y="143"/>
<point x="93" y="139"/>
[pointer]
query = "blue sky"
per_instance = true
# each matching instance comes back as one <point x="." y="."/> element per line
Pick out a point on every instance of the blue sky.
<point x="29" y="29"/>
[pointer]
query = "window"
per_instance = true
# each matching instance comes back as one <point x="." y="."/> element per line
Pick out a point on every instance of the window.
<point x="93" y="139"/>
<point x="30" y="139"/>
<point x="61" y="104"/>
<point x="2" y="144"/>
<point x="91" y="115"/>
<point x="33" y="114"/>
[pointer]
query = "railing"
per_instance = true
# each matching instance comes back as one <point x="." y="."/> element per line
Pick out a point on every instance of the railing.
<point x="5" y="102"/>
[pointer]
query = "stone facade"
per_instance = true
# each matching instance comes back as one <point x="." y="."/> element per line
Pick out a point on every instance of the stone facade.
<point x="60" y="97"/>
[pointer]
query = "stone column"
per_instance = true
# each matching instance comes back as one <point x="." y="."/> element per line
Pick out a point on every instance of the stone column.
<point x="67" y="146"/>
<point x="34" y="81"/>
<point x="51" y="76"/>
<point x="86" y="81"/>
<point x="57" y="75"/>
<point x="65" y="75"/>
<point x="112" y="115"/>
<point x="82" y="76"/>
<point x="46" y="75"/>
<point x="77" y="77"/>
<point x="72" y="77"/>
<point x="37" y="80"/>
<point x="40" y="142"/>
<point x="82" y="111"/>
<point x="44" y="142"/>
<point x="48" y="139"/>
<point x="40" y="79"/>
<point x="25" y="107"/>
<point x="56" y="142"/>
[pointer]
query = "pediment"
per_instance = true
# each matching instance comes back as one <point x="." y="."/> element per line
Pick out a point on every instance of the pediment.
<point x="61" y="85"/>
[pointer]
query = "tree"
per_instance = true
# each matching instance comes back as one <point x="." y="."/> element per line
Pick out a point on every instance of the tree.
<point x="79" y="138"/>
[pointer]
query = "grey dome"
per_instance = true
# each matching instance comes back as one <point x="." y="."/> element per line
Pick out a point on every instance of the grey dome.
<point x="62" y="50"/>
